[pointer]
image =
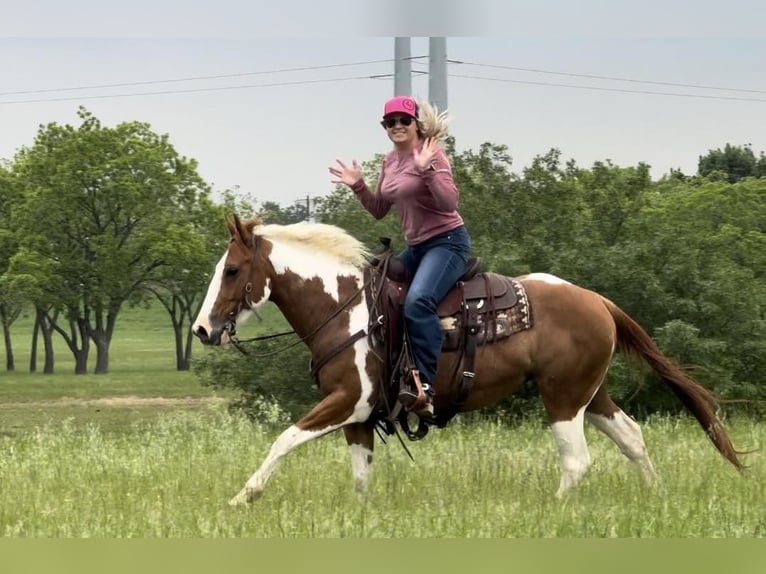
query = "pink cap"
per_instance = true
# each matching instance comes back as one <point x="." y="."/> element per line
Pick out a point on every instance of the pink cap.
<point x="401" y="105"/>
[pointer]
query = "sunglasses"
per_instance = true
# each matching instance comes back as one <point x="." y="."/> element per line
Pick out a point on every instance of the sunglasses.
<point x="391" y="122"/>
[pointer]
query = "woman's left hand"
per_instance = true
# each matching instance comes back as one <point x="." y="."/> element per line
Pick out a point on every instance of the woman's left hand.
<point x="425" y="156"/>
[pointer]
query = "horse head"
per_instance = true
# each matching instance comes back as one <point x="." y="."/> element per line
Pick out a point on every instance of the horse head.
<point x="240" y="283"/>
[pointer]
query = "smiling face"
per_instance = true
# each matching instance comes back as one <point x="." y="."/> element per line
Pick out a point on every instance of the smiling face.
<point x="239" y="284"/>
<point x="402" y="130"/>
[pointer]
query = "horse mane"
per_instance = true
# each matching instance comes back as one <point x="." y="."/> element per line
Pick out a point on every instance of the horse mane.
<point x="328" y="239"/>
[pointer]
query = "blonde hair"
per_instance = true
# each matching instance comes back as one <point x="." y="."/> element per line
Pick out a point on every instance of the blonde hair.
<point x="431" y="122"/>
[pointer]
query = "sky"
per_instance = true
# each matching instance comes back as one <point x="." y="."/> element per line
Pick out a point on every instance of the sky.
<point x="523" y="81"/>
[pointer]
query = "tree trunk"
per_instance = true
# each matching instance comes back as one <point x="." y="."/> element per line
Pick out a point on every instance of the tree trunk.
<point x="102" y="354"/>
<point x="46" y="330"/>
<point x="48" y="346"/>
<point x="33" y="349"/>
<point x="10" y="365"/>
<point x="188" y="351"/>
<point x="181" y="363"/>
<point x="81" y="360"/>
<point x="102" y="337"/>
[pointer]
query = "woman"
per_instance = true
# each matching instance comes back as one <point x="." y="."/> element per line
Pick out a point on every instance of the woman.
<point x="416" y="179"/>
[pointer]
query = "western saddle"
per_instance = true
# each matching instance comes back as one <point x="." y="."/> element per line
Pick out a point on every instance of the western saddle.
<point x="482" y="308"/>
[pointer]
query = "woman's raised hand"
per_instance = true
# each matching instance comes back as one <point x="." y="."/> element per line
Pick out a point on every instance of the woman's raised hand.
<point x="346" y="174"/>
<point x="425" y="156"/>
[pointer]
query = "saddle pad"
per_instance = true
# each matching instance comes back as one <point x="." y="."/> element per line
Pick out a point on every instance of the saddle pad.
<point x="493" y="324"/>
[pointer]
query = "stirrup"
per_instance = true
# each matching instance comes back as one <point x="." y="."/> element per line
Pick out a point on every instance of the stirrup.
<point x="412" y="399"/>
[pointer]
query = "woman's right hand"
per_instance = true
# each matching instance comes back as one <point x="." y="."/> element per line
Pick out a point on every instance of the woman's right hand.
<point x="346" y="174"/>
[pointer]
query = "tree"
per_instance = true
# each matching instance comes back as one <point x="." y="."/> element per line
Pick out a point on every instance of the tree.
<point x="731" y="164"/>
<point x="96" y="200"/>
<point x="190" y="248"/>
<point x="272" y="212"/>
<point x="489" y="199"/>
<point x="10" y="303"/>
<point x="696" y="256"/>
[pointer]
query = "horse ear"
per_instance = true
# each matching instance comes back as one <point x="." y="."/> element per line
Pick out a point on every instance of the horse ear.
<point x="232" y="223"/>
<point x="242" y="231"/>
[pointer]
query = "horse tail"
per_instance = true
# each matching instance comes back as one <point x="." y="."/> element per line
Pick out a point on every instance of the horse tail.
<point x="634" y="341"/>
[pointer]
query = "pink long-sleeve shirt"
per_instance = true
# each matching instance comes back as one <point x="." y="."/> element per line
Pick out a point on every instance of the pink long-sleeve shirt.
<point x="426" y="201"/>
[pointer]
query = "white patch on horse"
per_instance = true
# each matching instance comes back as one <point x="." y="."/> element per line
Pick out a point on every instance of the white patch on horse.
<point x="309" y="264"/>
<point x="361" y="457"/>
<point x="547" y="278"/>
<point x="287" y="441"/>
<point x="574" y="455"/>
<point x="358" y="320"/>
<point x="262" y="300"/>
<point x="203" y="317"/>
<point x="573" y="451"/>
<point x="626" y="433"/>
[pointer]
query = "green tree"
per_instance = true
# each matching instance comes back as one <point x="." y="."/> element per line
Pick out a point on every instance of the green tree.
<point x="189" y="249"/>
<point x="489" y="198"/>
<point x="697" y="256"/>
<point x="10" y="302"/>
<point x="272" y="212"/>
<point x="96" y="200"/>
<point x="731" y="164"/>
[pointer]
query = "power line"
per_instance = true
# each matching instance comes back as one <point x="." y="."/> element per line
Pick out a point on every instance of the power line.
<point x="376" y="76"/>
<point x="188" y="91"/>
<point x="603" y="89"/>
<point x="198" y="78"/>
<point x="610" y="78"/>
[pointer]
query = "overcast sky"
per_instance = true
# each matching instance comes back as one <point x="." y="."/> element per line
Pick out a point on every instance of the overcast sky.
<point x="273" y="133"/>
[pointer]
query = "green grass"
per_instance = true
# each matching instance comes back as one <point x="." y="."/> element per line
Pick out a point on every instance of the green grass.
<point x="146" y="451"/>
<point x="142" y="366"/>
<point x="173" y="478"/>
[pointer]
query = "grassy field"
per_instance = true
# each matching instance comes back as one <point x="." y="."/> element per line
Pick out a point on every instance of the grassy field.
<point x="145" y="451"/>
<point x="173" y="477"/>
<point x="142" y="382"/>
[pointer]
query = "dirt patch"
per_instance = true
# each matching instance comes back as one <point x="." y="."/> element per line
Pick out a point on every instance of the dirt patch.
<point x="121" y="402"/>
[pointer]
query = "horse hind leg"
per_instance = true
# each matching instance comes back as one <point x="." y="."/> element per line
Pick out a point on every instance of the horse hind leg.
<point x="607" y="417"/>
<point x="573" y="450"/>
<point x="567" y="426"/>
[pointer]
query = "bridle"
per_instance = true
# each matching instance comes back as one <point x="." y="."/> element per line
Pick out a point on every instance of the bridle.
<point x="230" y="326"/>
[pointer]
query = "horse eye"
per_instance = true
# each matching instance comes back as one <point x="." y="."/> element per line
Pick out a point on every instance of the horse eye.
<point x="231" y="272"/>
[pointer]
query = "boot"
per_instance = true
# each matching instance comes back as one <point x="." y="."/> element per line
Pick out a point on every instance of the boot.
<point x="426" y="412"/>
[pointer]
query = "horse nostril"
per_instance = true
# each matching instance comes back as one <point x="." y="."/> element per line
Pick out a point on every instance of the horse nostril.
<point x="201" y="333"/>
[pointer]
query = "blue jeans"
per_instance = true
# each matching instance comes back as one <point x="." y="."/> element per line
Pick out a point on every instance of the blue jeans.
<point x="437" y="263"/>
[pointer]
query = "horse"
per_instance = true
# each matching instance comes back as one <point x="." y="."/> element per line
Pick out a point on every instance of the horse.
<point x="314" y="273"/>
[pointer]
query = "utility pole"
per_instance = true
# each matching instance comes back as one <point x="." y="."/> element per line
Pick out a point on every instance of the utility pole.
<point x="437" y="72"/>
<point x="299" y="202"/>
<point x="402" y="67"/>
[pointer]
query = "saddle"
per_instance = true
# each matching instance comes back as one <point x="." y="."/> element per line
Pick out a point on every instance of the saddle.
<point x="481" y="308"/>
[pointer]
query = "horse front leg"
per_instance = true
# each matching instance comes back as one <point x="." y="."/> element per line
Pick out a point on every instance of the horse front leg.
<point x="361" y="438"/>
<point x="333" y="412"/>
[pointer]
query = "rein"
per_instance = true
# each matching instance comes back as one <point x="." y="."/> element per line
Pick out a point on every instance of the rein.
<point x="231" y="329"/>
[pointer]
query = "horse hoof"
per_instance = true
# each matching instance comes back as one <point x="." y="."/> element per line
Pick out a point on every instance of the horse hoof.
<point x="245" y="496"/>
<point x="253" y="495"/>
<point x="239" y="500"/>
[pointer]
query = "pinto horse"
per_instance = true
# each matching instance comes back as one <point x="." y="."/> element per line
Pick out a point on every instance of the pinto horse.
<point x="314" y="273"/>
